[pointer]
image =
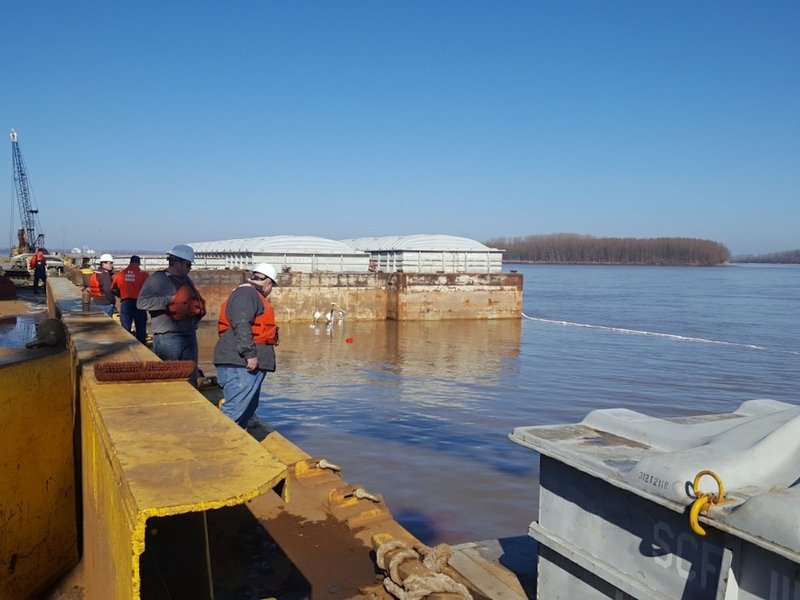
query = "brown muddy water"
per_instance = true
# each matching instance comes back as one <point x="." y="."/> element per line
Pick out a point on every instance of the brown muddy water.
<point x="420" y="412"/>
<point x="411" y="411"/>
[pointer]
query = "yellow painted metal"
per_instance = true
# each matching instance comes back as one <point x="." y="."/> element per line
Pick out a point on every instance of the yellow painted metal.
<point x="283" y="449"/>
<point x="157" y="454"/>
<point x="38" y="532"/>
<point x="152" y="449"/>
<point x="704" y="501"/>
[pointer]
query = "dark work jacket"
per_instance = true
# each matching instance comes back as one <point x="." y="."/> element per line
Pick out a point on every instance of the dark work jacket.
<point x="236" y="345"/>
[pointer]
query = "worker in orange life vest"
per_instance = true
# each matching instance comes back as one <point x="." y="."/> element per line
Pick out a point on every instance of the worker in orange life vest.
<point x="175" y="306"/>
<point x="100" y="285"/>
<point x="245" y="349"/>
<point x="39" y="265"/>
<point x="127" y="284"/>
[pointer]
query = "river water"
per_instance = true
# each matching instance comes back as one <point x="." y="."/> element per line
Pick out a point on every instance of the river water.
<point x="420" y="412"/>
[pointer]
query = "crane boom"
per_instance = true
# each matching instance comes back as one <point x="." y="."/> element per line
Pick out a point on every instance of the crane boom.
<point x="28" y="238"/>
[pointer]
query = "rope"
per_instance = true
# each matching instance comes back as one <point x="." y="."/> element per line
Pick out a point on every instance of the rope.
<point x="380" y="553"/>
<point x="397" y="560"/>
<point x="208" y="556"/>
<point x="436" y="558"/>
<point x="417" y="587"/>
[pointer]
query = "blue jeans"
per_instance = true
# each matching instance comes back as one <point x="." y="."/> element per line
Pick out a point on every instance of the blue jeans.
<point x="177" y="346"/>
<point x="106" y="308"/>
<point x="241" y="389"/>
<point x="129" y="316"/>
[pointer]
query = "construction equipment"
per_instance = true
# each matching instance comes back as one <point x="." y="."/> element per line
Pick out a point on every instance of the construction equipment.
<point x="29" y="235"/>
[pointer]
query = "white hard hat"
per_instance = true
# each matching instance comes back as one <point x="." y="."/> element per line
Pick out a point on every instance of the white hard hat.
<point x="183" y="252"/>
<point x="268" y="270"/>
<point x="106" y="258"/>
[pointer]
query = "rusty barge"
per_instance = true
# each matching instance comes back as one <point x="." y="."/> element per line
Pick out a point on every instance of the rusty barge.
<point x="143" y="489"/>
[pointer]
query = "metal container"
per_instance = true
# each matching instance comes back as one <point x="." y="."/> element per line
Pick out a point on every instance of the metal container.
<point x="618" y="491"/>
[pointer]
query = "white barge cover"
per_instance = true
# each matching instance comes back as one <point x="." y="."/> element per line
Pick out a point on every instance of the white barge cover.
<point x="755" y="451"/>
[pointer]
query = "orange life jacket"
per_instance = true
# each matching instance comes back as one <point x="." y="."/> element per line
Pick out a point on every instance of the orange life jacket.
<point x="129" y="281"/>
<point x="37" y="259"/>
<point x="187" y="303"/>
<point x="94" y="286"/>
<point x="264" y="329"/>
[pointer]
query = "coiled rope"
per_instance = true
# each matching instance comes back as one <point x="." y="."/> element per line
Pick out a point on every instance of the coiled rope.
<point x="417" y="587"/>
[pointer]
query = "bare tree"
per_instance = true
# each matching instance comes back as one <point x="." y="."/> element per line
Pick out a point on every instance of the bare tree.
<point x="573" y="248"/>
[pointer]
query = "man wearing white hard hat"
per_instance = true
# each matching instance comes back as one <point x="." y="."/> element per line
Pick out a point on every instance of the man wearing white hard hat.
<point x="245" y="350"/>
<point x="175" y="307"/>
<point x="100" y="285"/>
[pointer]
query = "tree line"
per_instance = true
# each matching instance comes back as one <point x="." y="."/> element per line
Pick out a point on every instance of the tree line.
<point x="573" y="248"/>
<point x="789" y="257"/>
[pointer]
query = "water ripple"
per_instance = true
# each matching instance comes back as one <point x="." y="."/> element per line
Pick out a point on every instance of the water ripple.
<point x="670" y="336"/>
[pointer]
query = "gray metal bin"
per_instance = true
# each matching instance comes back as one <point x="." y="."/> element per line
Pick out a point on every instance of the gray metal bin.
<point x="615" y="496"/>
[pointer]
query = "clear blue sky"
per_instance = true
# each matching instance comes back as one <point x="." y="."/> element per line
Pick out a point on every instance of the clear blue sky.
<point x="144" y="124"/>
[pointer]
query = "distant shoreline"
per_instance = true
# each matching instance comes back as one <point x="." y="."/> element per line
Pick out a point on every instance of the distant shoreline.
<point x="631" y="264"/>
<point x="610" y="264"/>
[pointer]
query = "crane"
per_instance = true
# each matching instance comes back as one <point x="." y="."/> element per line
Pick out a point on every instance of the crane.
<point x="28" y="238"/>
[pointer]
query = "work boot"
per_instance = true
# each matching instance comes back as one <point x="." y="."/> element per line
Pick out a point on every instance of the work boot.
<point x="258" y="428"/>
